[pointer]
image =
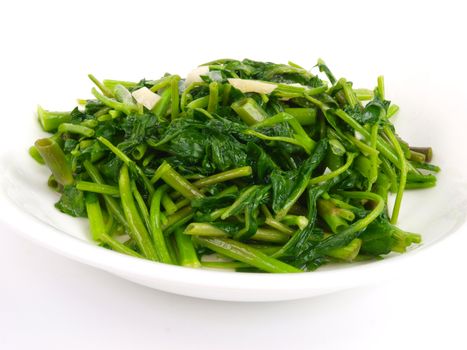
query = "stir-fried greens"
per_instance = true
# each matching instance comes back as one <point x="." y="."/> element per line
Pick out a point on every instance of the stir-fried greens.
<point x="244" y="165"/>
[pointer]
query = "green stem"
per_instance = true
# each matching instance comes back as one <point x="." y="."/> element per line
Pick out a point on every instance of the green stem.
<point x="162" y="106"/>
<point x="119" y="247"/>
<point x="75" y="129"/>
<point x="50" y="121"/>
<point x="215" y="214"/>
<point x="350" y="96"/>
<point x="119" y="106"/>
<point x="34" y="153"/>
<point x="162" y="83"/>
<point x="330" y="213"/>
<point x="380" y="88"/>
<point x="224" y="176"/>
<point x="186" y="250"/>
<point x="419" y="185"/>
<point x="213" y="97"/>
<point x="426" y="151"/>
<point x="54" y="158"/>
<point x="204" y="229"/>
<point x="426" y="166"/>
<point x="301" y="136"/>
<point x="105" y="90"/>
<point x="296" y="220"/>
<point x="345" y="236"/>
<point x="324" y="68"/>
<point x="265" y="248"/>
<point x="276" y="138"/>
<point x="270" y="236"/>
<point x="363" y="94"/>
<point x="96" y="220"/>
<point x="97" y="188"/>
<point x="88" y="123"/>
<point x="288" y="91"/>
<point x="201" y="102"/>
<point x="249" y="111"/>
<point x="347" y="253"/>
<point x="390" y="172"/>
<point x="278" y="226"/>
<point x="172" y="247"/>
<point x="381" y="145"/>
<point x="332" y="174"/>
<point x="101" y="112"/>
<point x="244" y="253"/>
<point x="373" y="157"/>
<point x="98" y="228"/>
<point x="239" y="201"/>
<point x="362" y="146"/>
<point x="181" y="223"/>
<point x="112" y="205"/>
<point x="110" y="225"/>
<point x="148" y="159"/>
<point x="156" y="226"/>
<point x="139" y="151"/>
<point x="226" y="94"/>
<point x="185" y="93"/>
<point x="182" y="203"/>
<point x="224" y="264"/>
<point x="176" y="181"/>
<point x="403" y="174"/>
<point x="305" y="116"/>
<point x="382" y="186"/>
<point x="392" y="110"/>
<point x="143" y="209"/>
<point x="174" y="219"/>
<point x="175" y="96"/>
<point x="169" y="205"/>
<point x="110" y="83"/>
<point x="137" y="229"/>
<point x="411" y="177"/>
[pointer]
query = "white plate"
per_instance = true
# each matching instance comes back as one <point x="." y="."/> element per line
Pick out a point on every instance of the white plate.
<point x="425" y="119"/>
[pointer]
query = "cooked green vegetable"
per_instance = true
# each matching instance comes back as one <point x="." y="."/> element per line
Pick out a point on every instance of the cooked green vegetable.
<point x="249" y="165"/>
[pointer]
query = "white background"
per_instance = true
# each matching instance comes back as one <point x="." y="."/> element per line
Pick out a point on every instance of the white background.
<point x="46" y="50"/>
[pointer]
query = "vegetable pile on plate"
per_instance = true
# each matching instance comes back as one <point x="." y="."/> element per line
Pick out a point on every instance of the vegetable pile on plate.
<point x="244" y="165"/>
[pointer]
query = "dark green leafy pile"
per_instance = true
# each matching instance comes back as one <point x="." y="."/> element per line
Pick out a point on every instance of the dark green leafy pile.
<point x="247" y="165"/>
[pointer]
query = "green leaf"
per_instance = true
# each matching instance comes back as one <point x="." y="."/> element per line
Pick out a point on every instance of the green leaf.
<point x="287" y="186"/>
<point x="374" y="112"/>
<point x="72" y="202"/>
<point x="207" y="204"/>
<point x="377" y="237"/>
